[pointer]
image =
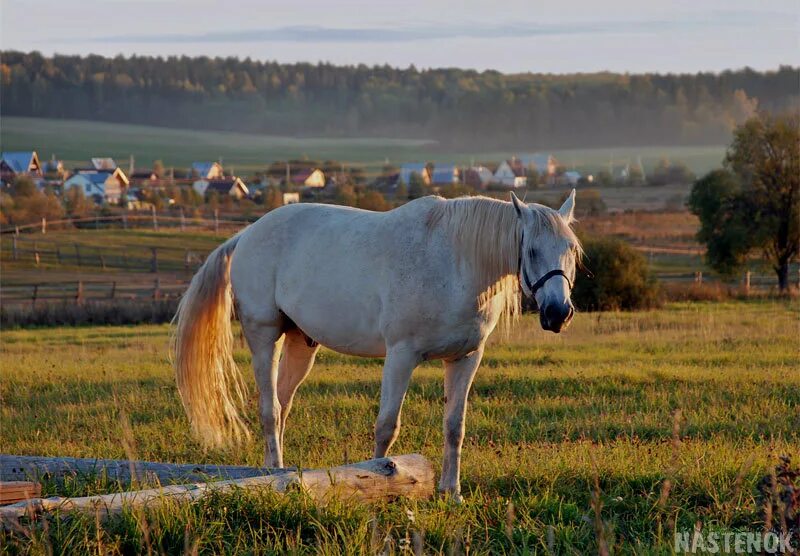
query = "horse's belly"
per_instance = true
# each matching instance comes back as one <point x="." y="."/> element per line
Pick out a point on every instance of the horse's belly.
<point x="346" y="329"/>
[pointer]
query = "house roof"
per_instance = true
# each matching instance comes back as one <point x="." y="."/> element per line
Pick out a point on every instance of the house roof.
<point x="104" y="163"/>
<point x="225" y="185"/>
<point x="302" y="175"/>
<point x="203" y="168"/>
<point x="443" y="173"/>
<point x="142" y="174"/>
<point x="19" y="161"/>
<point x="409" y="168"/>
<point x="100" y="176"/>
<point x="539" y="160"/>
<point x="517" y="167"/>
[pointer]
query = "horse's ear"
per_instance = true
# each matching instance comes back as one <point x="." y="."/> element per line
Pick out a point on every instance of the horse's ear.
<point x="519" y="206"/>
<point x="567" y="210"/>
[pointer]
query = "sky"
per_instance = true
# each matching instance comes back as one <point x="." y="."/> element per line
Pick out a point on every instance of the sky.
<point x="509" y="36"/>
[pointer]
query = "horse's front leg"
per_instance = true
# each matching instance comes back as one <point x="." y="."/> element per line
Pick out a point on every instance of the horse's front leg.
<point x="397" y="368"/>
<point x="458" y="377"/>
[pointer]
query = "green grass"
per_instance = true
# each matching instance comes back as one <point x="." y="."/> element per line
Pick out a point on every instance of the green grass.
<point x="547" y="414"/>
<point x="76" y="141"/>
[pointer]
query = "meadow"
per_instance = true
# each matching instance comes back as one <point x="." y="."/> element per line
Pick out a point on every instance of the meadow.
<point x="74" y="141"/>
<point x="617" y="433"/>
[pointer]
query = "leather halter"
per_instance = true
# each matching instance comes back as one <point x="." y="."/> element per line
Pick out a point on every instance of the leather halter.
<point x="533" y="288"/>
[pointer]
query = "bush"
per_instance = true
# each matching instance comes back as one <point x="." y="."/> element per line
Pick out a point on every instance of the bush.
<point x="91" y="312"/>
<point x="621" y="279"/>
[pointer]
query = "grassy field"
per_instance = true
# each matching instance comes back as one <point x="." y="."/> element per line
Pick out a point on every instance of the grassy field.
<point x="77" y="141"/>
<point x="548" y="414"/>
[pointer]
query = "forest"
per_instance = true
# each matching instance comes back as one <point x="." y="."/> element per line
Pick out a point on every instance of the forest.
<point x="458" y="108"/>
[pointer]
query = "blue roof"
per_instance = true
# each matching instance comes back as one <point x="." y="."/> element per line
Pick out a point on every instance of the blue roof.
<point x="97" y="178"/>
<point x="409" y="168"/>
<point x="540" y="160"/>
<point x="202" y="168"/>
<point x="443" y="173"/>
<point x="19" y="161"/>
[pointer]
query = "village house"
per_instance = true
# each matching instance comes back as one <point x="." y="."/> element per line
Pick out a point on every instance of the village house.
<point x="233" y="186"/>
<point x="19" y="163"/>
<point x="478" y="177"/>
<point x="104" y="163"/>
<point x="207" y="170"/>
<point x="445" y="174"/>
<point x="544" y="164"/>
<point x="144" y="178"/>
<point x="100" y="185"/>
<point x="510" y="173"/>
<point x="571" y="178"/>
<point x="409" y="169"/>
<point x="291" y="198"/>
<point x="309" y="177"/>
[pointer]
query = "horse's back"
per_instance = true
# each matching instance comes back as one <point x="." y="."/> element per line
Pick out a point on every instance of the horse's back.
<point x="353" y="280"/>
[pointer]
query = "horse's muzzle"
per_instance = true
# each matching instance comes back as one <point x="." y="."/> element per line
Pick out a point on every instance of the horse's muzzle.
<point x="556" y="317"/>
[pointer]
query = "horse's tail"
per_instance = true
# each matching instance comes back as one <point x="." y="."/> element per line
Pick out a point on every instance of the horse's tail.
<point x="209" y="383"/>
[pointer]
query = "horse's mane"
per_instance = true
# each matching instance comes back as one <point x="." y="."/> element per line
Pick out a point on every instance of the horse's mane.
<point x="487" y="235"/>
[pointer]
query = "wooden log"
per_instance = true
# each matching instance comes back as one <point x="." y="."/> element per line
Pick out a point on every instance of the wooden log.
<point x="25" y="468"/>
<point x="15" y="491"/>
<point x="368" y="481"/>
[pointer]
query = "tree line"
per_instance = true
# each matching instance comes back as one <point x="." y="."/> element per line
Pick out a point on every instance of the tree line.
<point x="457" y="107"/>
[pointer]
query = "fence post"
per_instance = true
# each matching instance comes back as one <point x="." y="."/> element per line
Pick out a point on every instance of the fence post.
<point x="216" y="221"/>
<point x="102" y="259"/>
<point x="747" y="282"/>
<point x="183" y="221"/>
<point x="14" y="248"/>
<point x="154" y="260"/>
<point x="58" y="253"/>
<point x="16" y="230"/>
<point x="698" y="277"/>
<point x="124" y="221"/>
<point x="79" y="293"/>
<point x="78" y="253"/>
<point x="35" y="294"/>
<point x="157" y="288"/>
<point x="113" y="289"/>
<point x="44" y="225"/>
<point x="186" y="260"/>
<point x="155" y="218"/>
<point x="36" y="253"/>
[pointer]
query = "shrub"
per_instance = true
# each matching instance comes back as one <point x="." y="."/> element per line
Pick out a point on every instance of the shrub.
<point x="91" y="312"/>
<point x="620" y="279"/>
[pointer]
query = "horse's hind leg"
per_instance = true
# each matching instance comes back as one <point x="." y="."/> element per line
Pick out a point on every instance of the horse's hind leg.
<point x="263" y="337"/>
<point x="296" y="362"/>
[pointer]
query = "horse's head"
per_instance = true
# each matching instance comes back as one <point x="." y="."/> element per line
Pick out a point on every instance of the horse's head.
<point x="549" y="252"/>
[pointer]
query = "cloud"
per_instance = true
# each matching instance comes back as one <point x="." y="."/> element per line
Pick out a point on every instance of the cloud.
<point x="447" y="30"/>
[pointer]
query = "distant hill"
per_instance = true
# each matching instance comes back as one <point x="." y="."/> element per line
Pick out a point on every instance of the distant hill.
<point x="458" y="108"/>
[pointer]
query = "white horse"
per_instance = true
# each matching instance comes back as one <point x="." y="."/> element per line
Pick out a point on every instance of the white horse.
<point x="428" y="280"/>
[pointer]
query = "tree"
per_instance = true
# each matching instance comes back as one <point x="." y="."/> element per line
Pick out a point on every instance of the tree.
<point x="76" y="203"/>
<point x="755" y="203"/>
<point x="401" y="193"/>
<point x="416" y="186"/>
<point x="373" y="200"/>
<point x="619" y="278"/>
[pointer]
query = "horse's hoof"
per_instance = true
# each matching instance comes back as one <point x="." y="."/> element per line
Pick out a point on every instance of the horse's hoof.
<point x="454" y="497"/>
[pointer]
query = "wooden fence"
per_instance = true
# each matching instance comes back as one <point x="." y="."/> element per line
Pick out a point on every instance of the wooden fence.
<point x="132" y="258"/>
<point x="80" y="291"/>
<point x="152" y="220"/>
